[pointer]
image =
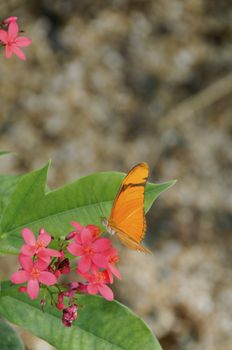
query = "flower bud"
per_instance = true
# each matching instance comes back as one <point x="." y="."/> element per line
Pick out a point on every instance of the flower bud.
<point x="69" y="315"/>
<point x="70" y="235"/>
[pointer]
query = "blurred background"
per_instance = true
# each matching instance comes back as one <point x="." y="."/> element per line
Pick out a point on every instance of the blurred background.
<point x="108" y="84"/>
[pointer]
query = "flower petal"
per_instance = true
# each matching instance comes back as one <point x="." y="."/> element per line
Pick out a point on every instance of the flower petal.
<point x="13" y="30"/>
<point x="115" y="271"/>
<point x="26" y="262"/>
<point x="10" y="19"/>
<point x="75" y="249"/>
<point x="3" y="36"/>
<point x="92" y="289"/>
<point x="44" y="237"/>
<point x="77" y="238"/>
<point x="19" y="277"/>
<point x="106" y="292"/>
<point x="28" y="250"/>
<point x="42" y="264"/>
<point x="86" y="236"/>
<point x="77" y="226"/>
<point x="18" y="52"/>
<point x="51" y="252"/>
<point x="95" y="230"/>
<point x="33" y="288"/>
<point x="23" y="41"/>
<point x="101" y="245"/>
<point x="84" y="264"/>
<point x="28" y="236"/>
<point x="47" y="278"/>
<point x="100" y="260"/>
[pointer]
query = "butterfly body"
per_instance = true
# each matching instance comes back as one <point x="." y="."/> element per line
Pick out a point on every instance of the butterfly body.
<point x="109" y="229"/>
<point x="127" y="218"/>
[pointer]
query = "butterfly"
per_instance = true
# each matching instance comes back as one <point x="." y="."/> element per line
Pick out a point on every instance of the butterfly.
<point x="127" y="219"/>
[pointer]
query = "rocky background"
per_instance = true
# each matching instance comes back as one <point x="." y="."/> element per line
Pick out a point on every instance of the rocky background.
<point x="108" y="84"/>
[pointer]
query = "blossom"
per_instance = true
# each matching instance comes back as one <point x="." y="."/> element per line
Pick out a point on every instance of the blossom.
<point x="12" y="41"/>
<point x="92" y="251"/>
<point x="38" y="247"/>
<point x="69" y="315"/>
<point x="97" y="284"/>
<point x="33" y="273"/>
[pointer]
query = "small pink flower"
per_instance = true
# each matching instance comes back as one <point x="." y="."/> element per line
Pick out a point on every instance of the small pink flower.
<point x="10" y="19"/>
<point x="92" y="251"/>
<point x="112" y="259"/>
<point x="97" y="284"/>
<point x="33" y="273"/>
<point x="12" y="41"/>
<point x="38" y="247"/>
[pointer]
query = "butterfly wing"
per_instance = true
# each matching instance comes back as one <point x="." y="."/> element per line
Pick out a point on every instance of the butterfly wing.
<point x="127" y="216"/>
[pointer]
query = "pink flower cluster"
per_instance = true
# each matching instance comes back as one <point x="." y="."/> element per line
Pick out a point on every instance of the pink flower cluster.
<point x="35" y="259"/>
<point x="97" y="259"/>
<point x="41" y="265"/>
<point x="9" y="37"/>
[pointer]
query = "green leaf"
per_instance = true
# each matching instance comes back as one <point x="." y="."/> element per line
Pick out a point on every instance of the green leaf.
<point x="7" y="187"/>
<point x="101" y="325"/>
<point x="80" y="201"/>
<point x="9" y="339"/>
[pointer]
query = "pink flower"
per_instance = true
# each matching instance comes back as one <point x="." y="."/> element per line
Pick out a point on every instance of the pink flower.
<point x="10" y="19"/>
<point x="12" y="41"/>
<point x="97" y="284"/>
<point x="91" y="250"/>
<point x="112" y="259"/>
<point x="38" y="247"/>
<point x="33" y="273"/>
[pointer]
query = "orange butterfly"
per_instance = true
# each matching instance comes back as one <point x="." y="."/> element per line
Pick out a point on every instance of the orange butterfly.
<point x="127" y="218"/>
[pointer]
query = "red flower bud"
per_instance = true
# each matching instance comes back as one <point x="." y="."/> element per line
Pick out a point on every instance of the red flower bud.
<point x="69" y="315"/>
<point x="70" y="235"/>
